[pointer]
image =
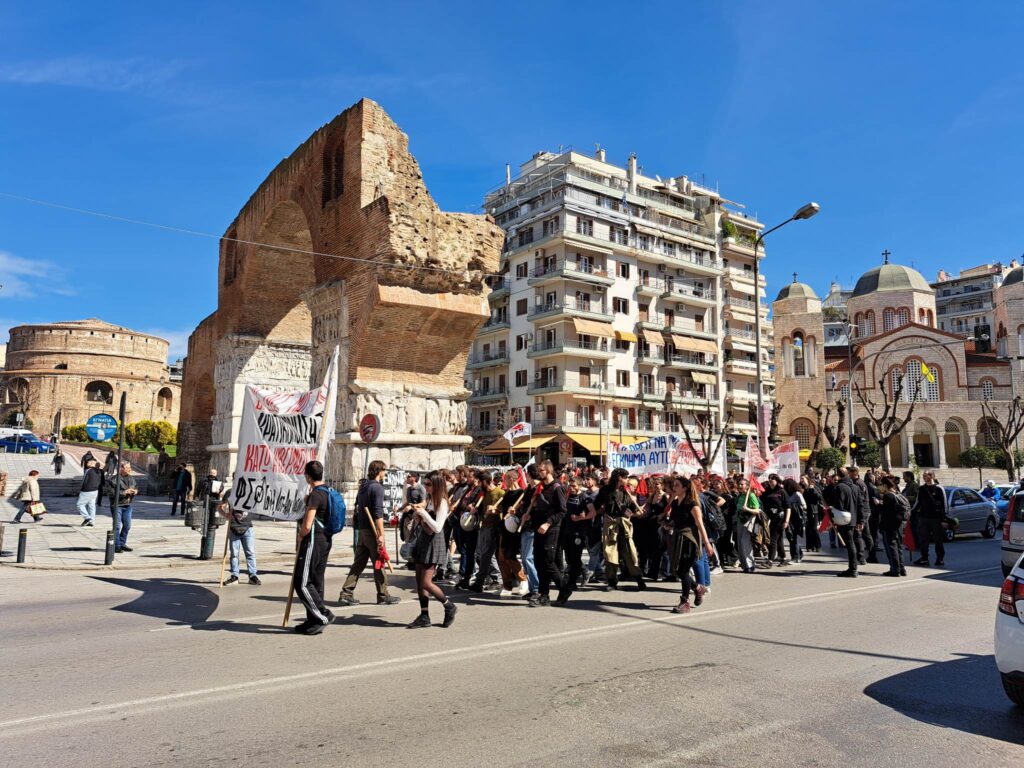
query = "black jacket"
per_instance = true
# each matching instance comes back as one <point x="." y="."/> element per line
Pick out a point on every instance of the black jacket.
<point x="931" y="502"/>
<point x="548" y="507"/>
<point x="843" y="495"/>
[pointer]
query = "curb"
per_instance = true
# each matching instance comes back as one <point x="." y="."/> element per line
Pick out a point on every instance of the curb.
<point x="270" y="560"/>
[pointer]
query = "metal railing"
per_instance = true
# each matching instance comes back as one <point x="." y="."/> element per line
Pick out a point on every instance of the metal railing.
<point x="569" y="266"/>
<point x="683" y="289"/>
<point x="594" y="345"/>
<point x="489" y="357"/>
<point x="571" y="303"/>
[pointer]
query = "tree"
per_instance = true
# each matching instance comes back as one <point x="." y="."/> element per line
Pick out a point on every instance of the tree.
<point x="884" y="421"/>
<point x="829" y="459"/>
<point x="707" y="446"/>
<point x="978" y="457"/>
<point x="823" y="428"/>
<point x="1004" y="431"/>
<point x="773" y="424"/>
<point x="163" y="434"/>
<point x="869" y="455"/>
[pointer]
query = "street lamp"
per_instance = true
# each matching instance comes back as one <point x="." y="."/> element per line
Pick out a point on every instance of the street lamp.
<point x="600" y="416"/>
<point x="804" y="212"/>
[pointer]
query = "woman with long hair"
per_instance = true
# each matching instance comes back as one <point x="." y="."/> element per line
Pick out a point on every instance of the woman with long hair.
<point x="687" y="539"/>
<point x="431" y="550"/>
<point x="797" y="518"/>
<point x="812" y="496"/>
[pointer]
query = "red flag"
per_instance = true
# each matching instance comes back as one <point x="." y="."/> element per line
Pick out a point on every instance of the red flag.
<point x="522" y="477"/>
<point x="908" y="539"/>
<point x="755" y="484"/>
<point x="641" y="487"/>
<point x="826" y="521"/>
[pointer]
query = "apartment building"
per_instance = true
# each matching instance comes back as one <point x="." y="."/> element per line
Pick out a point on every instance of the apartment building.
<point x="625" y="307"/>
<point x="963" y="303"/>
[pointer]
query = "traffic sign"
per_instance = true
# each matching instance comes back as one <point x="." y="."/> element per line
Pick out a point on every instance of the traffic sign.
<point x="369" y="427"/>
<point x="101" y="426"/>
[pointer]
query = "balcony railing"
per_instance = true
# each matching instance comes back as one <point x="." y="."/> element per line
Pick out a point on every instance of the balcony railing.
<point x="490" y="392"/>
<point x="694" y="291"/>
<point x="682" y="358"/>
<point x="581" y="269"/>
<point x="496" y="322"/>
<point x="482" y="358"/>
<point x="655" y="284"/>
<point x="592" y="345"/>
<point x="542" y="422"/>
<point x="571" y="303"/>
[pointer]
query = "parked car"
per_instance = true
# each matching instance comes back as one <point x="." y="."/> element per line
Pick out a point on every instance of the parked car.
<point x="1009" y="636"/>
<point x="1013" y="531"/>
<point x="974" y="514"/>
<point x="1002" y="499"/>
<point x="26" y="443"/>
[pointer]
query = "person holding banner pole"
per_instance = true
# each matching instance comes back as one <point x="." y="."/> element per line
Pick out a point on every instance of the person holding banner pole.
<point x="314" y="546"/>
<point x="748" y="508"/>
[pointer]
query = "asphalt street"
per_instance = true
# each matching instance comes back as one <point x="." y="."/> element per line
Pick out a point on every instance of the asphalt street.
<point x="790" y="667"/>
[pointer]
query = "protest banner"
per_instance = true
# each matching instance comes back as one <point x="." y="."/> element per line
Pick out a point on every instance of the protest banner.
<point x="784" y="461"/>
<point x="660" y="455"/>
<point x="278" y="434"/>
<point x="519" y="430"/>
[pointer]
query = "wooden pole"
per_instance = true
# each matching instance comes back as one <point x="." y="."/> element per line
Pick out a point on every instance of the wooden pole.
<point x="224" y="560"/>
<point x="373" y="529"/>
<point x="291" y="583"/>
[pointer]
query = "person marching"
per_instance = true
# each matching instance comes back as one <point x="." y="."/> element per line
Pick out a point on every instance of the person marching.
<point x="431" y="551"/>
<point x="512" y="504"/>
<point x="894" y="515"/>
<point x="369" y="545"/>
<point x="545" y="522"/>
<point x="314" y="546"/>
<point x="688" y="538"/>
<point x="617" y="506"/>
<point x="579" y="511"/>
<point x="748" y="507"/>
<point x="489" y="534"/>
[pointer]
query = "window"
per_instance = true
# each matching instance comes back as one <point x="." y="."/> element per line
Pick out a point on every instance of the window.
<point x="895" y="379"/>
<point x="99" y="392"/>
<point x="799" y="364"/>
<point x="621" y="345"/>
<point x="623" y="270"/>
<point x="643" y="242"/>
<point x="844" y="392"/>
<point x="485" y="420"/>
<point x="522" y="341"/>
<point x="622" y="378"/>
<point x="585" y="227"/>
<point x="521" y="378"/>
<point x="526" y="236"/>
<point x="668" y="248"/>
<point x="618" y="235"/>
<point x="802" y="433"/>
<point x="164" y="399"/>
<point x="523" y="270"/>
<point x="931" y="388"/>
<point x="621" y="305"/>
<point x="987" y="389"/>
<point x="551" y="226"/>
<point x="902" y="316"/>
<point x="888" y="319"/>
<point x="521" y="306"/>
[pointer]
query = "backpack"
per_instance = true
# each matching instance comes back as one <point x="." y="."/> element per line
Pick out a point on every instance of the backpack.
<point x="903" y="505"/>
<point x="337" y="512"/>
<point x="713" y="517"/>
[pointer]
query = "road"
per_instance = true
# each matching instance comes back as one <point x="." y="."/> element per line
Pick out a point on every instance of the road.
<point x="791" y="667"/>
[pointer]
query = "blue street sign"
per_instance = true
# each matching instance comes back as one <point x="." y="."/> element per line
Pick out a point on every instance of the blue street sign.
<point x="101" y="426"/>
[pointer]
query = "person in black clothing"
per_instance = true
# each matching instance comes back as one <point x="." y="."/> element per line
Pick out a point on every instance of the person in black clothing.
<point x="843" y="496"/>
<point x="891" y="519"/>
<point x="874" y="514"/>
<point x="688" y="537"/>
<point x="860" y="529"/>
<point x="776" y="508"/>
<point x="814" y="500"/>
<point x="181" y="488"/>
<point x="618" y="507"/>
<point x="931" y="512"/>
<point x="369" y="544"/>
<point x="647" y="529"/>
<point x="579" y="511"/>
<point x="545" y="522"/>
<point x="314" y="547"/>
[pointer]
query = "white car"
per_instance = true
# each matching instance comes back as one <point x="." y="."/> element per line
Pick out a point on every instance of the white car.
<point x="1010" y="634"/>
<point x="1013" y="532"/>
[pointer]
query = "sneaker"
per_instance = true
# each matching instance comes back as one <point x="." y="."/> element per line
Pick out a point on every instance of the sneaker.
<point x="347" y="599"/>
<point x="939" y="563"/>
<point x="126" y="548"/>
<point x="847" y="575"/>
<point x="563" y="598"/>
<point x="477" y="587"/>
<point x="611" y="586"/>
<point x="507" y="593"/>
<point x="90" y="523"/>
<point x="389" y="600"/>
<point x="641" y="585"/>
<point x="330" y="616"/>
<point x="717" y="570"/>
<point x="301" y="628"/>
<point x="698" y="594"/>
<point x="231" y="580"/>
<point x="314" y="629"/>
<point x="544" y="600"/>
<point x="903" y="571"/>
<point x="683" y="607"/>
<point x="118" y="550"/>
<point x="891" y="573"/>
<point x="85" y="522"/>
<point x="450" y="609"/>
<point x="423" y="620"/>
<point x="533" y="601"/>
<point x="531" y="596"/>
<point x="922" y="561"/>
<point x="255" y="580"/>
<point x="524" y="589"/>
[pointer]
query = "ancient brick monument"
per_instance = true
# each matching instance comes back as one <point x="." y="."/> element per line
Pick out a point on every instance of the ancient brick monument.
<point x="395" y="282"/>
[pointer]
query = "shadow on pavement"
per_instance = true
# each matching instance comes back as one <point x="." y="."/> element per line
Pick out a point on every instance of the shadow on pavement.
<point x="963" y="694"/>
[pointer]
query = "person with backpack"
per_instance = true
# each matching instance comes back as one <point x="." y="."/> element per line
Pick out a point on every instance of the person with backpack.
<point x="314" y="547"/>
<point x="775" y="504"/>
<point x="894" y="515"/>
<point x="369" y="545"/>
<point x="797" y="518"/>
<point x="240" y="537"/>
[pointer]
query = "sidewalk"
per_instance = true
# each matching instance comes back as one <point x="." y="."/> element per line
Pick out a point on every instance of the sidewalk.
<point x="59" y="541"/>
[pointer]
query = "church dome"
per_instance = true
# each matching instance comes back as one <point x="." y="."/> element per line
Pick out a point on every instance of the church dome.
<point x="796" y="290"/>
<point x="1014" y="276"/>
<point x="890" y="277"/>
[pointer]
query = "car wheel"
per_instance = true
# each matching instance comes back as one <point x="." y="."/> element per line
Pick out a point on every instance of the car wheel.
<point x="949" y="534"/>
<point x="1014" y="690"/>
<point x="990" y="528"/>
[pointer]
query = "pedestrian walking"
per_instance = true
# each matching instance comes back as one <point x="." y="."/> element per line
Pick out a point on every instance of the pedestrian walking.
<point x="88" y="495"/>
<point x="688" y="539"/>
<point x="748" y="509"/>
<point x="240" y="537"/>
<point x="58" y="462"/>
<point x="843" y="499"/>
<point x="489" y="533"/>
<point x="314" y="547"/>
<point x="931" y="513"/>
<point x="431" y="551"/>
<point x="812" y="497"/>
<point x="29" y="496"/>
<point x="579" y="511"/>
<point x="545" y="522"/>
<point x="797" y="518"/>
<point x="181" y="489"/>
<point x="369" y="545"/>
<point x="123" y="485"/>
<point x="775" y="505"/>
<point x="618" y="508"/>
<point x="893" y="516"/>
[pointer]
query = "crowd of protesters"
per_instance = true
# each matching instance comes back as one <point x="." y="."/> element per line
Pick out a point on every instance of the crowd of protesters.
<point x="541" y="533"/>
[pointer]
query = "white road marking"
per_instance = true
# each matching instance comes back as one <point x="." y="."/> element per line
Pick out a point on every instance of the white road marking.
<point x="529" y="643"/>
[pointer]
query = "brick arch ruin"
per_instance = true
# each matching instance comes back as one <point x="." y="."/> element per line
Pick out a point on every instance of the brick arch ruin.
<point x="329" y="251"/>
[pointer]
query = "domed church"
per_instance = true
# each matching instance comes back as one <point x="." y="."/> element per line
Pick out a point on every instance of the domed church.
<point x="894" y="338"/>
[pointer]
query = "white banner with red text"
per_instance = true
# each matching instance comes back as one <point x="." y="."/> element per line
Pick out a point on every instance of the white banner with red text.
<point x="662" y="455"/>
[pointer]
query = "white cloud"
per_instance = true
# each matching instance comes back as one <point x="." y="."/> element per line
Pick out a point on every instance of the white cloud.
<point x="94" y="74"/>
<point x="26" y="278"/>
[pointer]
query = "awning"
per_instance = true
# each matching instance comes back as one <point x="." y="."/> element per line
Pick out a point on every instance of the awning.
<point x="694" y="345"/>
<point x="626" y="336"/>
<point x="736" y="341"/>
<point x="647" y="230"/>
<point x="592" y="443"/>
<point x="703" y="378"/>
<point x="653" y="337"/>
<point x="741" y="314"/>
<point x="501" y="444"/>
<point x="587" y="246"/>
<point x="592" y="328"/>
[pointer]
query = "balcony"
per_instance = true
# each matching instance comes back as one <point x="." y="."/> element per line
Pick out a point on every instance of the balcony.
<point x="569" y="270"/>
<point x="652" y="355"/>
<point x="690" y="362"/>
<point x="693" y="294"/>
<point x="499" y="288"/>
<point x="495" y="324"/>
<point x="570" y="306"/>
<point x="690" y="328"/>
<point x="957" y="308"/>
<point x="543" y="385"/>
<point x="742" y="367"/>
<point x="702" y="262"/>
<point x="545" y="424"/>
<point x="740" y="396"/>
<point x="597" y="349"/>
<point x="487" y="359"/>
<point x="745" y="275"/>
<point x="488" y="394"/>
<point x="651" y="286"/>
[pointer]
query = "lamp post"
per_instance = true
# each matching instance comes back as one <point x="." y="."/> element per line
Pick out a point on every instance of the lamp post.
<point x="804" y="212"/>
<point x="600" y="417"/>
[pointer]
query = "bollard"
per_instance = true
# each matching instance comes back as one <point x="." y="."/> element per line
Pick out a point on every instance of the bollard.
<point x="108" y="559"/>
<point x="206" y="545"/>
<point x="22" y="543"/>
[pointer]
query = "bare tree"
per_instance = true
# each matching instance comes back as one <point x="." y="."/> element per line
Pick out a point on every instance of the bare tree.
<point x="884" y="421"/>
<point x="1004" y="432"/>
<point x="707" y="446"/>
<point x="773" y="424"/>
<point x="823" y="428"/>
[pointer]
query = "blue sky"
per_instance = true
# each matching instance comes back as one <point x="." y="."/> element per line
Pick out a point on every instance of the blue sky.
<point x="902" y="119"/>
